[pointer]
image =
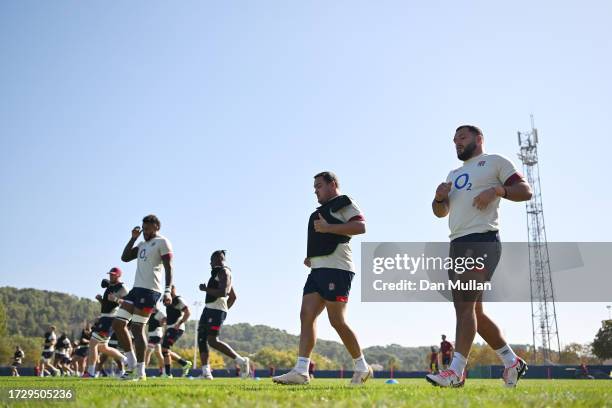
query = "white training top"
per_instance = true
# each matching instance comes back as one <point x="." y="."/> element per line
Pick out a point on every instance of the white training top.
<point x="342" y="257"/>
<point x="149" y="270"/>
<point x="476" y="175"/>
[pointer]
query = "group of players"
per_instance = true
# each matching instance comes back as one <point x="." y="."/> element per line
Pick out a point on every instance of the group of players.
<point x="470" y="196"/>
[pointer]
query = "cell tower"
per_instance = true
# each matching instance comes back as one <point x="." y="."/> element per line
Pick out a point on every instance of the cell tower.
<point x="543" y="312"/>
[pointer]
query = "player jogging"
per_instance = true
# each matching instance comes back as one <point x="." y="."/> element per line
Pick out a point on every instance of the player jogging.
<point x="220" y="297"/>
<point x="471" y="197"/>
<point x="329" y="256"/>
<point x="177" y="313"/>
<point x="114" y="291"/>
<point x="156" y="333"/>
<point x="18" y="357"/>
<point x="153" y="255"/>
<point x="446" y="350"/>
<point x="46" y="358"/>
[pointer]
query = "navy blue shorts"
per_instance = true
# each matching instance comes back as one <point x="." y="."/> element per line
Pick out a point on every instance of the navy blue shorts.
<point x="332" y="284"/>
<point x="172" y="335"/>
<point x="154" y="340"/>
<point x="142" y="298"/>
<point x="211" y="322"/>
<point x="103" y="329"/>
<point x="81" y="351"/>
<point x="485" y="247"/>
<point x="46" y="355"/>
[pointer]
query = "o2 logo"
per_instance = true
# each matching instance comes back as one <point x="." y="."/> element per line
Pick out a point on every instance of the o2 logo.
<point x="463" y="181"/>
<point x="143" y="254"/>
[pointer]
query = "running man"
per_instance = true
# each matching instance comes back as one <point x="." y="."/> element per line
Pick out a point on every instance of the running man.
<point x="471" y="197"/>
<point x="153" y="254"/>
<point x="220" y="297"/>
<point x="329" y="256"/>
<point x="46" y="358"/>
<point x="81" y="351"/>
<point x="446" y="350"/>
<point x="114" y="291"/>
<point x="17" y="361"/>
<point x="63" y="349"/>
<point x="156" y="333"/>
<point x="177" y="313"/>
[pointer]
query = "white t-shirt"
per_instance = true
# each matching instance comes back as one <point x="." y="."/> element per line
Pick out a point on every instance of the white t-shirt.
<point x="150" y="268"/>
<point x="342" y="257"/>
<point x="476" y="175"/>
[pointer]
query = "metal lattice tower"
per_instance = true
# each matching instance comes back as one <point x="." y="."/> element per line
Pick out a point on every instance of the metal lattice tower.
<point x="543" y="313"/>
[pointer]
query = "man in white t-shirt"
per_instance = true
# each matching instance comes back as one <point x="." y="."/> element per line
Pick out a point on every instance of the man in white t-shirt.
<point x="328" y="285"/>
<point x="154" y="256"/>
<point x="471" y="196"/>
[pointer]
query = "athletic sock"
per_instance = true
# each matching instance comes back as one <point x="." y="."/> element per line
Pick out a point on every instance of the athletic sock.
<point x="239" y="359"/>
<point x="140" y="369"/>
<point x="360" y="364"/>
<point x="182" y="362"/>
<point x="91" y="370"/>
<point x="131" y="360"/>
<point x="458" y="364"/>
<point x="507" y="355"/>
<point x="167" y="366"/>
<point x="206" y="369"/>
<point x="301" y="366"/>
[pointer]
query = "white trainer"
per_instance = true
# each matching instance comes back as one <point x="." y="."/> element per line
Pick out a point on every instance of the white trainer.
<point x="360" y="377"/>
<point x="292" y="377"/>
<point x="245" y="368"/>
<point x="445" y="378"/>
<point x="514" y="373"/>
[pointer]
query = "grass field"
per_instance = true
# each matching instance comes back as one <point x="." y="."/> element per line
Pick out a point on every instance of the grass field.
<point x="172" y="393"/>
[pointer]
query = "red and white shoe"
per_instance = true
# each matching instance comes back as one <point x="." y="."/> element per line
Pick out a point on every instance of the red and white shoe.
<point x="445" y="378"/>
<point x="87" y="375"/>
<point x="514" y="373"/>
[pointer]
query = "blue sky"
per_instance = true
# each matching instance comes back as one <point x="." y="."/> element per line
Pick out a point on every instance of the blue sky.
<point x="216" y="115"/>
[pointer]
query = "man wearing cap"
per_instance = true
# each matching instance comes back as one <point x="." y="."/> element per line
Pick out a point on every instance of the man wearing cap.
<point x="154" y="256"/>
<point x="114" y="291"/>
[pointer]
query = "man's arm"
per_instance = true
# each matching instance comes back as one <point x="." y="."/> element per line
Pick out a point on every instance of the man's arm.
<point x="225" y="285"/>
<point x="185" y="317"/>
<point x="517" y="189"/>
<point x="167" y="261"/>
<point x="440" y="204"/>
<point x="231" y="298"/>
<point x="352" y="227"/>
<point x="129" y="252"/>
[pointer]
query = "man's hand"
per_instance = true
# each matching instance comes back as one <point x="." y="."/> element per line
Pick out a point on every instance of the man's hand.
<point x="177" y="326"/>
<point x="443" y="190"/>
<point x="320" y="225"/>
<point x="307" y="262"/>
<point x="99" y="297"/>
<point x="203" y="287"/>
<point x="136" y="232"/>
<point x="482" y="200"/>
<point x="167" y="298"/>
<point x="112" y="297"/>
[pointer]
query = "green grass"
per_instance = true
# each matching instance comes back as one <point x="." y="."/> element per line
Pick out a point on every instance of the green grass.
<point x="110" y="393"/>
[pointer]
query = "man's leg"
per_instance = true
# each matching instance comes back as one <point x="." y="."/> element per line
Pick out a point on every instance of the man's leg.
<point x="120" y="323"/>
<point x="140" y="340"/>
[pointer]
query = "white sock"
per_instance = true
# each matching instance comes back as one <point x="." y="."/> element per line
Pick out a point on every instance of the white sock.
<point x="458" y="364"/>
<point x="360" y="364"/>
<point x="131" y="359"/>
<point x="206" y="368"/>
<point x="302" y="365"/>
<point x="507" y="355"/>
<point x="91" y="370"/>
<point x="140" y="369"/>
<point x="239" y="359"/>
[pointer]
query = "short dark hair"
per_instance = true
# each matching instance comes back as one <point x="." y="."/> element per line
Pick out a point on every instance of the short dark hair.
<point x="152" y="219"/>
<point x="329" y="176"/>
<point x="475" y="130"/>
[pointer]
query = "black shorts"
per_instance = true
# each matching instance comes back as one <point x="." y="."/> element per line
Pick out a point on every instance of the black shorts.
<point x="81" y="351"/>
<point x="171" y="336"/>
<point x="484" y="251"/>
<point x="62" y="358"/>
<point x="211" y="322"/>
<point x="332" y="284"/>
<point x="103" y="328"/>
<point x="142" y="298"/>
<point x="47" y="355"/>
<point x="154" y="340"/>
<point x="15" y="364"/>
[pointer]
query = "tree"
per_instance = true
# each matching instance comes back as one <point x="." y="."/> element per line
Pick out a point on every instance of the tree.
<point x="2" y="320"/>
<point x="602" y="345"/>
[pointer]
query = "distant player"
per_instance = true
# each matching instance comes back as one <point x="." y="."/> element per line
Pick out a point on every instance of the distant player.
<point x="154" y="256"/>
<point x="156" y="333"/>
<point x="114" y="292"/>
<point x="220" y="297"/>
<point x="82" y="348"/>
<point x="433" y="360"/>
<point x="18" y="357"/>
<point x="471" y="196"/>
<point x="177" y="313"/>
<point x="63" y="350"/>
<point x="446" y="350"/>
<point x="46" y="359"/>
<point x="329" y="256"/>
